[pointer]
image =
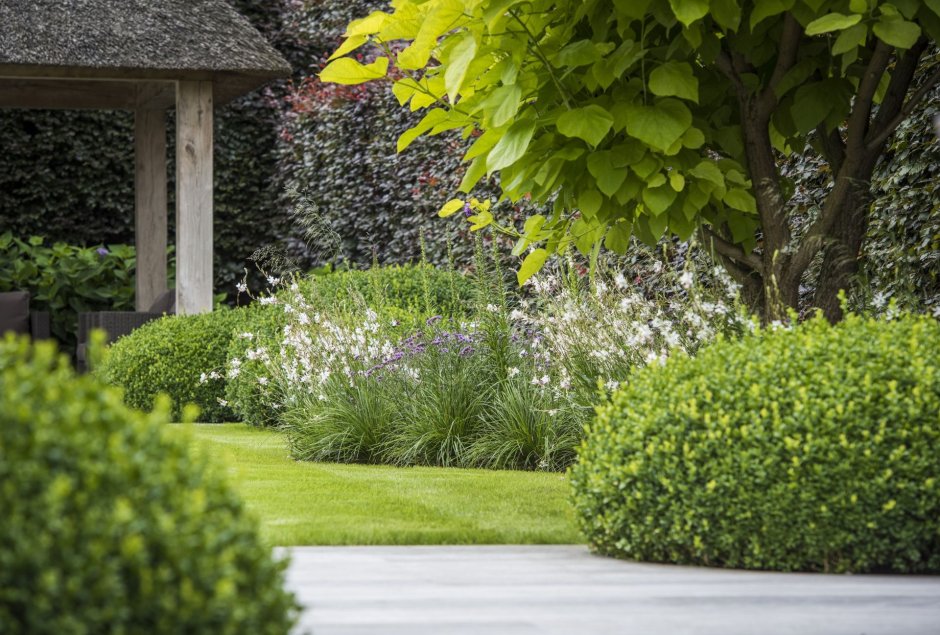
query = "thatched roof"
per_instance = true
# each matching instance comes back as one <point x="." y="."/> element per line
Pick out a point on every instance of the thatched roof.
<point x="136" y="39"/>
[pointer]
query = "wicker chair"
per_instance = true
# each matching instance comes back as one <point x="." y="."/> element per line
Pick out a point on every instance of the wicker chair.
<point x="16" y="317"/>
<point x="117" y="324"/>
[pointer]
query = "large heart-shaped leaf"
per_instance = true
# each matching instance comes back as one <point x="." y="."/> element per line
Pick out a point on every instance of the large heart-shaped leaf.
<point x="674" y="79"/>
<point x="658" y="126"/>
<point x="591" y="123"/>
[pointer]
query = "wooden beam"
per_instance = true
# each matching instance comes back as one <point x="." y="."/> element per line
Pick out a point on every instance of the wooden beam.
<point x="194" y="241"/>
<point x="156" y="95"/>
<point x="150" y="210"/>
<point x="58" y="94"/>
<point x="77" y="94"/>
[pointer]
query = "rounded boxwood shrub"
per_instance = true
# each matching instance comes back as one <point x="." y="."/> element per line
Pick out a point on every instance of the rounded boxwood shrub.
<point x="408" y="293"/>
<point x="806" y="449"/>
<point x="109" y="526"/>
<point x="181" y="356"/>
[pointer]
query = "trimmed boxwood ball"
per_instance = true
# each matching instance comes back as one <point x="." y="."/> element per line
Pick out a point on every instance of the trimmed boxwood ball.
<point x="809" y="449"/>
<point x="169" y="356"/>
<point x="111" y="526"/>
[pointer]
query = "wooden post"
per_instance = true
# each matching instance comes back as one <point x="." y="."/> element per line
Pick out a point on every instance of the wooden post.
<point x="150" y="209"/>
<point x="193" y="197"/>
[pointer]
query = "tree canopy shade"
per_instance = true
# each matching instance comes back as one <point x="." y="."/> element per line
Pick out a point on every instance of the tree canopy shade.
<point x="638" y="117"/>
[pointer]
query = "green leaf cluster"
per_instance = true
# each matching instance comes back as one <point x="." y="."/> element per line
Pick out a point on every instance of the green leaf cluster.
<point x="807" y="449"/>
<point x="111" y="526"/>
<point x="624" y="114"/>
<point x="66" y="279"/>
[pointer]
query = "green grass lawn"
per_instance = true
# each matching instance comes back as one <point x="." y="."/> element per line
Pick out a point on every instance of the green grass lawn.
<point x="301" y="503"/>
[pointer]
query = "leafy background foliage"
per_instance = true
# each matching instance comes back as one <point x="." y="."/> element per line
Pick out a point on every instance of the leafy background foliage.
<point x="68" y="175"/>
<point x="66" y="280"/>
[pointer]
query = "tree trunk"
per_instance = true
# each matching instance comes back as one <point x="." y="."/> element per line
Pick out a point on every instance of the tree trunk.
<point x="841" y="261"/>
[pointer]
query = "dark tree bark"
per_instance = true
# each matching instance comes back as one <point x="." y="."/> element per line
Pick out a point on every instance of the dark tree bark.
<point x="771" y="277"/>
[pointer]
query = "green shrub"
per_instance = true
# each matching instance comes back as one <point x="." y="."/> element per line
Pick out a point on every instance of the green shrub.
<point x="65" y="279"/>
<point x="811" y="449"/>
<point x="109" y="526"/>
<point x="172" y="355"/>
<point x="407" y="293"/>
<point x="421" y="288"/>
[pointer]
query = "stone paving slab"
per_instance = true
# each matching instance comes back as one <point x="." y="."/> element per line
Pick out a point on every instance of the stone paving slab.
<point x="564" y="590"/>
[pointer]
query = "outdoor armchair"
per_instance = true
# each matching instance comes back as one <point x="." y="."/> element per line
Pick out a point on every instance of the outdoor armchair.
<point x="116" y="324"/>
<point x="16" y="317"/>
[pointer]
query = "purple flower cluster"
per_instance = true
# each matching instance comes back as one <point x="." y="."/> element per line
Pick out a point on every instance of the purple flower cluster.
<point x="418" y="344"/>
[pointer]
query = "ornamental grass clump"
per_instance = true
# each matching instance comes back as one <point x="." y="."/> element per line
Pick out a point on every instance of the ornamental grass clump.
<point x="111" y="526"/>
<point x="804" y="449"/>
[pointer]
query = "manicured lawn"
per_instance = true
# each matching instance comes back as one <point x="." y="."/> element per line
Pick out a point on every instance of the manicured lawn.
<point x="335" y="504"/>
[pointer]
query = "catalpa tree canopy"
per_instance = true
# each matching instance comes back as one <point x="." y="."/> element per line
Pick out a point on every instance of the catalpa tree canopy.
<point x="638" y="117"/>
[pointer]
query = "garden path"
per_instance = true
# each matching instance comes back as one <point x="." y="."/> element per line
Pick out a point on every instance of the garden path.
<point x="564" y="590"/>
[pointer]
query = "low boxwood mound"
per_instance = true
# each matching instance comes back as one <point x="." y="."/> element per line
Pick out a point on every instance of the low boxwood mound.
<point x="807" y="449"/>
<point x="407" y="293"/>
<point x="109" y="526"/>
<point x="181" y="356"/>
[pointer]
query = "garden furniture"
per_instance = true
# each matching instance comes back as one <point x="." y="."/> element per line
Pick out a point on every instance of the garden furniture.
<point x="16" y="317"/>
<point x="116" y="324"/>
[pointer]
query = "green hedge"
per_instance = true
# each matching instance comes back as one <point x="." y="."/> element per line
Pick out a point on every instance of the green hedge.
<point x="171" y="355"/>
<point x="811" y="449"/>
<point x="405" y="292"/>
<point x="111" y="527"/>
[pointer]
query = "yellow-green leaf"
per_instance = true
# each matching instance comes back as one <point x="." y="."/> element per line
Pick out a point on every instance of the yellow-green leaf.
<point x="896" y="31"/>
<point x="457" y="64"/>
<point x="511" y="146"/>
<point x="450" y="208"/>
<point x="531" y="265"/>
<point x="348" y="71"/>
<point x="591" y="123"/>
<point x="674" y="79"/>
<point x="832" y="22"/>
<point x="688" y="11"/>
<point x="349" y="44"/>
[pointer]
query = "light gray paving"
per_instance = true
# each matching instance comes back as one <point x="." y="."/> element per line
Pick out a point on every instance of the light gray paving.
<point x="564" y="590"/>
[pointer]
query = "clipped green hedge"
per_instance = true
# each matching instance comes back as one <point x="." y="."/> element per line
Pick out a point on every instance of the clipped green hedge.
<point x="408" y="293"/>
<point x="416" y="289"/>
<point x="170" y="356"/>
<point x="109" y="526"/>
<point x="812" y="449"/>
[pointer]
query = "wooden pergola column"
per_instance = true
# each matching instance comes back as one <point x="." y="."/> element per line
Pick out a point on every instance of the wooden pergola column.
<point x="194" y="117"/>
<point x="150" y="226"/>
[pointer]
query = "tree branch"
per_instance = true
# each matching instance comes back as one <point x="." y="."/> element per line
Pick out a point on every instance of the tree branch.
<point x="879" y="136"/>
<point x="786" y="58"/>
<point x="723" y="61"/>
<point x="732" y="251"/>
<point x="814" y="238"/>
<point x="833" y="147"/>
<point x="861" y="110"/>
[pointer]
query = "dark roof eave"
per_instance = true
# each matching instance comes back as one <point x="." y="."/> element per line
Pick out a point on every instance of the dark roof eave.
<point x="228" y="84"/>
